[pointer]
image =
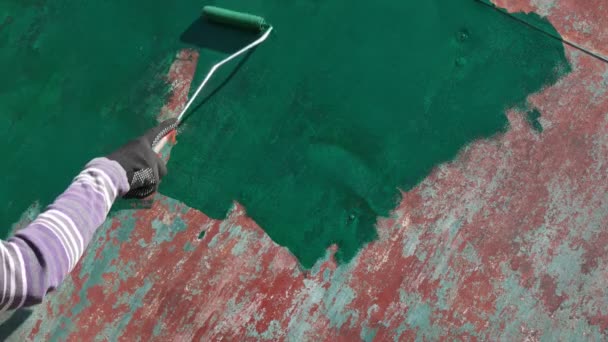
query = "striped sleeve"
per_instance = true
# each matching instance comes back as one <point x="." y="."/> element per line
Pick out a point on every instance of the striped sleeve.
<point x="39" y="257"/>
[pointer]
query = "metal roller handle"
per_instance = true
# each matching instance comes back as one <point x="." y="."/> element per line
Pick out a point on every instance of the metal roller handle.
<point x="213" y="69"/>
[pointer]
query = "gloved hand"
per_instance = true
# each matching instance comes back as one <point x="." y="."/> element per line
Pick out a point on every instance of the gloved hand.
<point x="143" y="166"/>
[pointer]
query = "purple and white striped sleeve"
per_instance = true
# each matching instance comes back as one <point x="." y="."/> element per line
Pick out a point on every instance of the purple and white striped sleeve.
<point x="39" y="257"/>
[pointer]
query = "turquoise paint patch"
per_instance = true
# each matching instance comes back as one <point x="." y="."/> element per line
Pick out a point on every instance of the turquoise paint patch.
<point x="326" y="274"/>
<point x="471" y="255"/>
<point x="565" y="267"/>
<point x="135" y="302"/>
<point x="232" y="307"/>
<point x="166" y="231"/>
<point x="368" y="334"/>
<point x="188" y="247"/>
<point x="337" y="298"/>
<point x="454" y="228"/>
<point x="411" y="241"/>
<point x="159" y="326"/>
<point x="242" y="236"/>
<point x="214" y="241"/>
<point x="529" y="315"/>
<point x="418" y="317"/>
<point x="447" y="284"/>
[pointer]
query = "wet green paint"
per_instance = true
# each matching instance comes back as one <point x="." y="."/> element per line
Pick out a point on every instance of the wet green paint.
<point x="313" y="135"/>
<point x="78" y="80"/>
<point x="532" y="117"/>
<point x="344" y="105"/>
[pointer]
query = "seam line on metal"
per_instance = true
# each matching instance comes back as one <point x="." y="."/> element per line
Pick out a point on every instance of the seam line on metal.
<point x="567" y="42"/>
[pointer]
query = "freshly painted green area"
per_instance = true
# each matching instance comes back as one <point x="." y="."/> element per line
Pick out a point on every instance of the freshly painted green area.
<point x="78" y="80"/>
<point x="344" y="105"/>
<point x="313" y="135"/>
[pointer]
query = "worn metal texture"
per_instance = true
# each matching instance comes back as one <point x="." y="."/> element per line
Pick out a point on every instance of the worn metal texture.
<point x="505" y="242"/>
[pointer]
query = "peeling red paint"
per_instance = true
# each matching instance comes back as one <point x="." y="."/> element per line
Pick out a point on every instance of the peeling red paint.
<point x="179" y="76"/>
<point x="505" y="242"/>
<point x="35" y="330"/>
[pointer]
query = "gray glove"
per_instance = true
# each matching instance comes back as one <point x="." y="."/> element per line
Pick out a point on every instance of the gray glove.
<point x="143" y="166"/>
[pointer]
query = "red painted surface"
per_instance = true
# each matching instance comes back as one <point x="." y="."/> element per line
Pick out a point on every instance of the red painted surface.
<point x="179" y="76"/>
<point x="505" y="242"/>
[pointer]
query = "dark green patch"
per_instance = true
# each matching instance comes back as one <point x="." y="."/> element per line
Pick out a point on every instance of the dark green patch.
<point x="532" y="117"/>
<point x="346" y="104"/>
<point x="201" y="235"/>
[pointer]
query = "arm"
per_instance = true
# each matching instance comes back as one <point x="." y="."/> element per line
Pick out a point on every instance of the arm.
<point x="39" y="257"/>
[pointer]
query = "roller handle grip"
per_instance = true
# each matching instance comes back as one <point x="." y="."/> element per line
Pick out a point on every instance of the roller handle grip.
<point x="162" y="142"/>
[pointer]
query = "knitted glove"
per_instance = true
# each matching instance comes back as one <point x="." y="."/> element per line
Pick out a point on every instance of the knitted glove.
<point x="143" y="166"/>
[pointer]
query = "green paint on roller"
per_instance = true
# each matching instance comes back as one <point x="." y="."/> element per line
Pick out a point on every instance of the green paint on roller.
<point x="233" y="18"/>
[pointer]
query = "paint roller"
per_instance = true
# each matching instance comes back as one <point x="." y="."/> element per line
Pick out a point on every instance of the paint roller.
<point x="239" y="20"/>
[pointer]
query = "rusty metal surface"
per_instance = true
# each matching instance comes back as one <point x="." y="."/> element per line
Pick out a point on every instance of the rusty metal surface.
<point x="505" y="242"/>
